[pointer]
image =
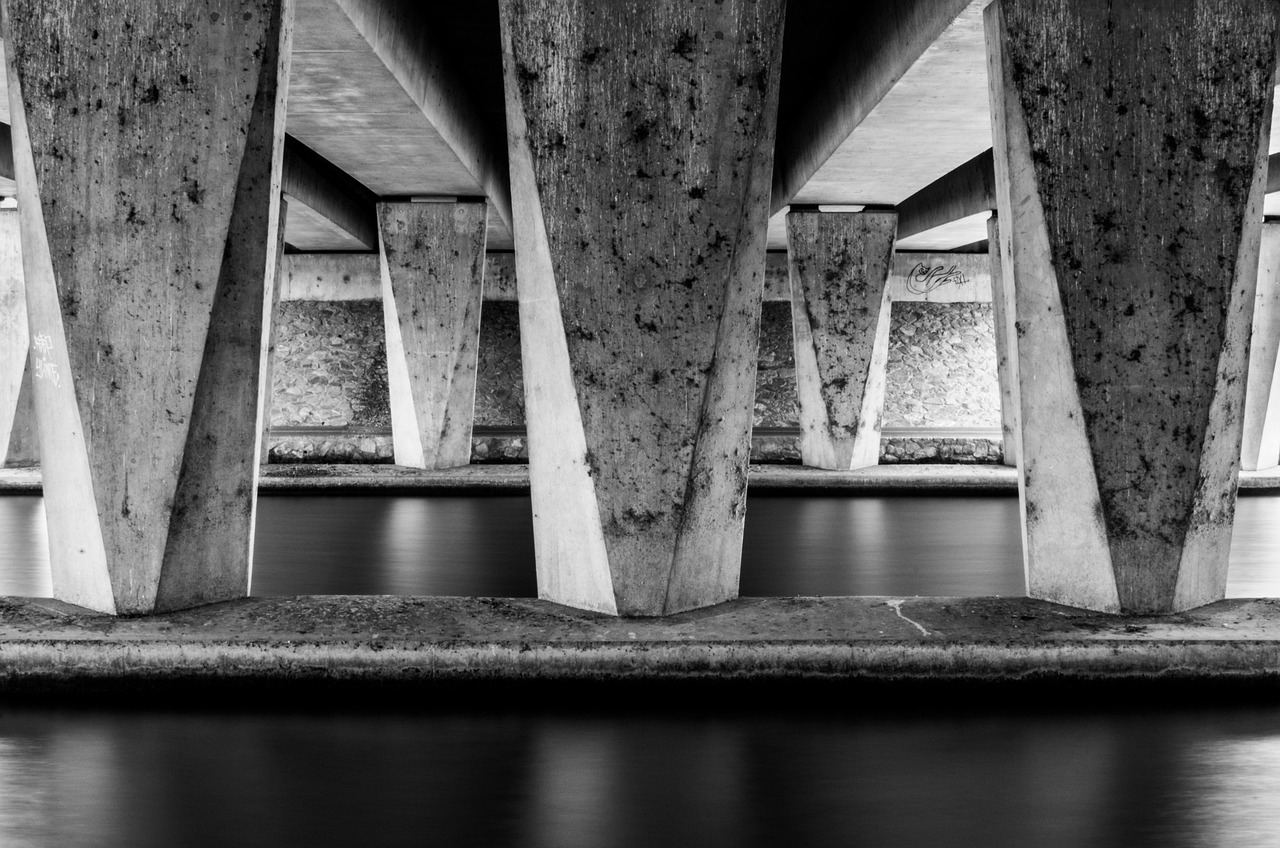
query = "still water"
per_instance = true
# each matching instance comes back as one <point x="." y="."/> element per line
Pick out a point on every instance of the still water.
<point x="793" y="545"/>
<point x="777" y="773"/>
<point x="111" y="780"/>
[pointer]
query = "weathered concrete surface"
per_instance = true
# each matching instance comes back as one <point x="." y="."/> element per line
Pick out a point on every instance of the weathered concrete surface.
<point x="329" y="640"/>
<point x="271" y="306"/>
<point x="887" y="478"/>
<point x="1134" y="221"/>
<point x="432" y="283"/>
<point x="840" y="264"/>
<point x="641" y="145"/>
<point x="1003" y="308"/>
<point x="148" y="182"/>
<point x="17" y="414"/>
<point x="1260" y="443"/>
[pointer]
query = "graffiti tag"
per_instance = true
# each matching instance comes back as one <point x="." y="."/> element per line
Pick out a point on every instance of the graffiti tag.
<point x="45" y="369"/>
<point x="923" y="279"/>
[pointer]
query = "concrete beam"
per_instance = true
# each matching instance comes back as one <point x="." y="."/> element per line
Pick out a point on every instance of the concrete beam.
<point x="864" y="57"/>
<point x="402" y="34"/>
<point x="641" y="148"/>
<point x="326" y="191"/>
<point x="1136" y="262"/>
<point x="840" y="263"/>
<point x="432" y="267"/>
<point x="968" y="190"/>
<point x="149" y="213"/>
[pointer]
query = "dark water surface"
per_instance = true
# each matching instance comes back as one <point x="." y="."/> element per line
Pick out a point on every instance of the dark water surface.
<point x="776" y="775"/>
<point x="120" y="780"/>
<point x="794" y="545"/>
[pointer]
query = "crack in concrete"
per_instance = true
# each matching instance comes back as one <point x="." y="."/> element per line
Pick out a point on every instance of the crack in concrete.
<point x="896" y="606"/>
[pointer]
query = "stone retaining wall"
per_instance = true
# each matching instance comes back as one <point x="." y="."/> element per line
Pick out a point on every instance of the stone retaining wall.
<point x="330" y="372"/>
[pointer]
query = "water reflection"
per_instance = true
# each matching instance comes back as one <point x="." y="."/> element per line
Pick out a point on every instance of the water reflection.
<point x="117" y="779"/>
<point x="24" y="547"/>
<point x="793" y="545"/>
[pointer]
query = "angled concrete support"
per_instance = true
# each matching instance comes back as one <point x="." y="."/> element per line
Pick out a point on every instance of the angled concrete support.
<point x="17" y="415"/>
<point x="275" y="286"/>
<point x="1002" y="314"/>
<point x="148" y="185"/>
<point x="1261" y="443"/>
<point x="1134" y="220"/>
<point x="641" y="144"/>
<point x="840" y="264"/>
<point x="432" y="259"/>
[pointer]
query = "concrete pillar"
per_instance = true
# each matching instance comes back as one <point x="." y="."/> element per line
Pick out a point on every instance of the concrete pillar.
<point x="17" y="415"/>
<point x="1131" y="151"/>
<point x="24" y="441"/>
<point x="641" y="148"/>
<point x="272" y="296"/>
<point x="432" y="258"/>
<point x="1002" y="316"/>
<point x="839" y="264"/>
<point x="147" y="141"/>
<point x="1261" y="442"/>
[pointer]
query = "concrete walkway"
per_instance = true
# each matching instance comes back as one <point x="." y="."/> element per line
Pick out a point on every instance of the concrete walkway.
<point x="47" y="647"/>
<point x="306" y="477"/>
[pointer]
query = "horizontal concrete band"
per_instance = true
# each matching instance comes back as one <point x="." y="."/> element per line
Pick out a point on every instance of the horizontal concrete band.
<point x="285" y="478"/>
<point x="307" y="640"/>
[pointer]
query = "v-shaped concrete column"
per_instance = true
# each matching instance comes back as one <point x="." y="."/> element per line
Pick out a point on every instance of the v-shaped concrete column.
<point x="17" y="415"/>
<point x="1002" y="317"/>
<point x="147" y="143"/>
<point x="1261" y="445"/>
<point x="839" y="264"/>
<point x="1131" y="151"/>
<point x="641" y="147"/>
<point x="432" y="284"/>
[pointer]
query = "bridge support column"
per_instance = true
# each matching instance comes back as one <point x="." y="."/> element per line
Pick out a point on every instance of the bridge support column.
<point x="267" y="393"/>
<point x="1261" y="445"/>
<point x="840" y="264"/>
<point x="17" y="415"/>
<point x="641" y="148"/>
<point x="1131" y="145"/>
<point x="148" y="184"/>
<point x="1002" y="317"/>
<point x="432" y="257"/>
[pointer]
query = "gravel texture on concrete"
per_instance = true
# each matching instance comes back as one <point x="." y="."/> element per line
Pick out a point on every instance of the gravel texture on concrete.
<point x="45" y="645"/>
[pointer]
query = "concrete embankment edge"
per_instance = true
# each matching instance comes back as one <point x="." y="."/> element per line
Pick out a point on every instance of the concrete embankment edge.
<point x="335" y="643"/>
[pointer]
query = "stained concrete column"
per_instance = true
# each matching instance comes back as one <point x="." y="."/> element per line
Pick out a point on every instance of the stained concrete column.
<point x="147" y="143"/>
<point x="432" y="258"/>
<point x="1002" y="316"/>
<point x="1261" y="441"/>
<point x="839" y="267"/>
<point x="1131" y="150"/>
<point x="641" y="148"/>
<point x="17" y="415"/>
<point x="272" y="299"/>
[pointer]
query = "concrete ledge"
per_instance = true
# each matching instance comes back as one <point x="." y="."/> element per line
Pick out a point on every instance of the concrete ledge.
<point x="935" y="478"/>
<point x="328" y="640"/>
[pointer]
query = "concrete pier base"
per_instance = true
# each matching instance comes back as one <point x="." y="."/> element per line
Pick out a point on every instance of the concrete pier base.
<point x="432" y="259"/>
<point x="839" y="266"/>
<point x="1133" y="325"/>
<point x="149" y="214"/>
<point x="641" y="150"/>
<point x="371" y="646"/>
